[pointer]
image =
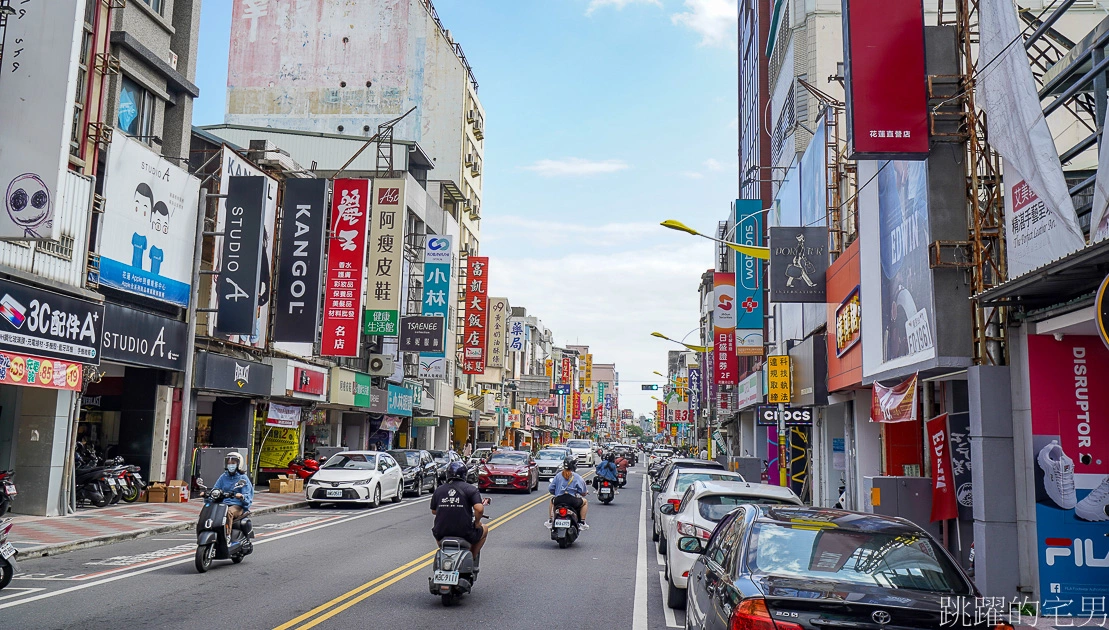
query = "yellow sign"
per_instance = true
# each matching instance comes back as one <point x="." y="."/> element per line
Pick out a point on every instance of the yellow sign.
<point x="673" y="430"/>
<point x="778" y="379"/>
<point x="280" y="447"/>
<point x="587" y="379"/>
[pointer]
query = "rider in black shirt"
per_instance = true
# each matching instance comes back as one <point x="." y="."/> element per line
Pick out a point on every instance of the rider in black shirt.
<point x="458" y="509"/>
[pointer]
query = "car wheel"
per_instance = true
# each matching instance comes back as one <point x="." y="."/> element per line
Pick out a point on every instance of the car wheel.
<point x="675" y="597"/>
<point x="313" y="505"/>
<point x="400" y="493"/>
<point x="377" y="496"/>
<point x="654" y="532"/>
<point x="661" y="545"/>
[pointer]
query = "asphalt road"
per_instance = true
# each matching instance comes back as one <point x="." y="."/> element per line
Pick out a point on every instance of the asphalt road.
<point x="342" y="568"/>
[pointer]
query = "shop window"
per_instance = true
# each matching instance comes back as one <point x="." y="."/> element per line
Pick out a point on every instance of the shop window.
<point x="136" y="111"/>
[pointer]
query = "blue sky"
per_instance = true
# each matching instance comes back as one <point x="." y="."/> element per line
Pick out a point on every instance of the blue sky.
<point x="603" y="117"/>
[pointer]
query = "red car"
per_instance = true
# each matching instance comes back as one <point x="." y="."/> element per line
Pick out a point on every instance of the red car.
<point x="509" y="470"/>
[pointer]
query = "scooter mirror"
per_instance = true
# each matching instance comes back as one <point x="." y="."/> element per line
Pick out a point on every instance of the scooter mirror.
<point x="486" y="501"/>
<point x="200" y="481"/>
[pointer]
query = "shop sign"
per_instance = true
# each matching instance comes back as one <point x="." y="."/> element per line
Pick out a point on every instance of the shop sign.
<point x="944" y="503"/>
<point x="477" y="315"/>
<point x="49" y="324"/>
<point x="146" y="233"/>
<point x="308" y="381"/>
<point x="417" y="392"/>
<point x="20" y="369"/>
<point x="438" y="256"/>
<point x="241" y="271"/>
<point x="346" y="261"/>
<point x="386" y="251"/>
<point x="379" y="400"/>
<point x="422" y="421"/>
<point x="798" y="264"/>
<point x="894" y="404"/>
<point x="140" y="338"/>
<point x="419" y="333"/>
<point x="575" y="405"/>
<point x="959" y="433"/>
<point x="562" y="389"/>
<point x="433" y="367"/>
<point x="723" y="323"/>
<point x="390" y="423"/>
<point x="303" y="226"/>
<point x="750" y="292"/>
<point x="222" y="373"/>
<point x="517" y="334"/>
<point x="349" y="388"/>
<point x="400" y="400"/>
<point x="280" y="446"/>
<point x="694" y="390"/>
<point x="567" y="370"/>
<point x="498" y="325"/>
<point x="378" y="323"/>
<point x="779" y="377"/>
<point x="279" y="415"/>
<point x="768" y="415"/>
<point x="587" y="373"/>
<point x="749" y="391"/>
<point x="848" y="322"/>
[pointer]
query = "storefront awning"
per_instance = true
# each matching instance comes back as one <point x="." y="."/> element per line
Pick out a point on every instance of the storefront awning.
<point x="1065" y="280"/>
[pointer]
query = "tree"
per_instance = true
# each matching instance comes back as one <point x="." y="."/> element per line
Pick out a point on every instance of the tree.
<point x="634" y="430"/>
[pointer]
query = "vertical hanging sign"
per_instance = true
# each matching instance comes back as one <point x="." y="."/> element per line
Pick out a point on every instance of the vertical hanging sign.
<point x="242" y="253"/>
<point x="383" y="292"/>
<point x="567" y="368"/>
<point x="477" y="315"/>
<point x="438" y="255"/>
<point x="723" y="323"/>
<point x="346" y="255"/>
<point x="303" y="223"/>
<point x="498" y="326"/>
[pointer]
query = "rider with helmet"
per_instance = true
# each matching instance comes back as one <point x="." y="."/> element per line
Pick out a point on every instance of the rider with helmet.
<point x="237" y="499"/>
<point x="606" y="470"/>
<point x="458" y="509"/>
<point x="569" y="490"/>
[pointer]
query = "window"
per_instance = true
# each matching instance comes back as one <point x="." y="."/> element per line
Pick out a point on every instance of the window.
<point x="718" y="545"/>
<point x="157" y="5"/>
<point x="136" y="111"/>
<point x="84" y="62"/>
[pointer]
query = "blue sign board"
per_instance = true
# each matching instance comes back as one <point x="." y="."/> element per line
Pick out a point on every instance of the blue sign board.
<point x="562" y="389"/>
<point x="749" y="289"/>
<point x="400" y="400"/>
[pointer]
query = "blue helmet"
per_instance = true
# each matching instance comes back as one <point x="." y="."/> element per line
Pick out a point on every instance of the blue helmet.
<point x="456" y="470"/>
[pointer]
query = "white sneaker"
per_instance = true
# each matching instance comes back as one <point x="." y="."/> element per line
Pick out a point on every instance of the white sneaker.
<point x="584" y="525"/>
<point x="548" y="524"/>
<point x="1092" y="507"/>
<point x="1058" y="475"/>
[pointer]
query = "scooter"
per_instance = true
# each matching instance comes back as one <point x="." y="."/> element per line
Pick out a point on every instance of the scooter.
<point x="8" y="553"/>
<point x="211" y="532"/>
<point x="606" y="492"/>
<point x="453" y="572"/>
<point x="304" y="468"/>
<point x="622" y="478"/>
<point x="564" y="527"/>
<point x="7" y="490"/>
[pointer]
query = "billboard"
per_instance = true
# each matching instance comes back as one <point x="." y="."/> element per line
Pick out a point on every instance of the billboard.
<point x="814" y="179"/>
<point x="477" y="315"/>
<point x="750" y="294"/>
<point x="887" y="104"/>
<point x="346" y="256"/>
<point x="239" y="283"/>
<point x="798" y="264"/>
<point x="303" y="226"/>
<point x="148" y="229"/>
<point x="723" y="323"/>
<point x="383" y="293"/>
<point x="38" y="84"/>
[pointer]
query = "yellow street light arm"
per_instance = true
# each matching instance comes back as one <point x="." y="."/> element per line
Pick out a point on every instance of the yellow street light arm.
<point x="754" y="251"/>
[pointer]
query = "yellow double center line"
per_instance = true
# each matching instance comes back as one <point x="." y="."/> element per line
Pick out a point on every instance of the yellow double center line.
<point x="323" y="612"/>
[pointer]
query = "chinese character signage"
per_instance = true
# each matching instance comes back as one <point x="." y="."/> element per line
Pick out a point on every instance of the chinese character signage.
<point x="421" y="332"/>
<point x="778" y="379"/>
<point x="723" y="323"/>
<point x="50" y="324"/>
<point x="849" y="317"/>
<point x="498" y="326"/>
<point x="587" y="372"/>
<point x="517" y="334"/>
<point x="386" y="249"/>
<point x="20" y="369"/>
<point x="1034" y="234"/>
<point x="694" y="391"/>
<point x="477" y="315"/>
<point x="749" y="290"/>
<point x="567" y="370"/>
<point x="576" y="405"/>
<point x="437" y="283"/>
<point x="346" y="255"/>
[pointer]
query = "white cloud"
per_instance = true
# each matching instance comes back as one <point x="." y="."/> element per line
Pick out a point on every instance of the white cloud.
<point x="693" y="175"/>
<point x="717" y="21"/>
<point x="619" y="4"/>
<point x="713" y="165"/>
<point x="575" y="167"/>
<point x="734" y="124"/>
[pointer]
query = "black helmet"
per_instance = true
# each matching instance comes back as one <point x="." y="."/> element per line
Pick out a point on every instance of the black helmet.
<point x="611" y="457"/>
<point x="456" y="470"/>
<point x="570" y="463"/>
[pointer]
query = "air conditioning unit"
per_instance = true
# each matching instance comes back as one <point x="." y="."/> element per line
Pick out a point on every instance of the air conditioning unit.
<point x="475" y="169"/>
<point x="469" y="159"/>
<point x="470" y="116"/>
<point x="381" y="365"/>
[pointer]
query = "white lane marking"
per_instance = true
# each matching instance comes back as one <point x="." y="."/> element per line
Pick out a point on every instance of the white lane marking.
<point x="126" y="561"/>
<point x="671" y="619"/>
<point x="20" y="588"/>
<point x="639" y="613"/>
<point x="164" y="565"/>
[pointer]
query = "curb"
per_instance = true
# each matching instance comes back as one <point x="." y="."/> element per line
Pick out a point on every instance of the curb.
<point x="99" y="541"/>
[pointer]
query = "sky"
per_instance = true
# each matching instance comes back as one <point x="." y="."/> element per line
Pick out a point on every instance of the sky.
<point x="602" y="118"/>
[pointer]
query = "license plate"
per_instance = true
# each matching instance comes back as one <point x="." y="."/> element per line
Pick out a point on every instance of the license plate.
<point x="501" y="482"/>
<point x="606" y="491"/>
<point x="335" y="493"/>
<point x="111" y="482"/>
<point x="7" y="551"/>
<point x="449" y="578"/>
<point x="138" y="479"/>
<point x="10" y="488"/>
<point x="562" y="522"/>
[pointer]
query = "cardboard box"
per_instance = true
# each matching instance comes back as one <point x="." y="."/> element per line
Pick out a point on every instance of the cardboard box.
<point x="282" y="484"/>
<point x="298" y="484"/>
<point x="155" y="493"/>
<point x="177" y="491"/>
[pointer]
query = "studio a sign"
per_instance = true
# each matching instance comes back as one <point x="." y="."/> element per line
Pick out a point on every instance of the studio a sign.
<point x="140" y="338"/>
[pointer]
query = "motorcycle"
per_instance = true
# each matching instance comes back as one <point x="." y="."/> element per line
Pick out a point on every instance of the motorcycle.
<point x="96" y="484"/>
<point x="211" y="530"/>
<point x="606" y="492"/>
<point x="453" y="572"/>
<point x="564" y="527"/>
<point x="304" y="468"/>
<point x="7" y="490"/>
<point x="8" y="553"/>
<point x="622" y="478"/>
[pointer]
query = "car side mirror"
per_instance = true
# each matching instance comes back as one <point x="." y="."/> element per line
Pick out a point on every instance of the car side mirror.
<point x="666" y="508"/>
<point x="657" y="487"/>
<point x="689" y="544"/>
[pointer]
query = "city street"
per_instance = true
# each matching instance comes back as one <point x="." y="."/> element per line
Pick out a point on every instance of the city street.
<point x="334" y="568"/>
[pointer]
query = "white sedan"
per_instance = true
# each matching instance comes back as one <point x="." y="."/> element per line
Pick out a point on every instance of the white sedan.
<point x="671" y="491"/>
<point x="696" y="515"/>
<point x="361" y="477"/>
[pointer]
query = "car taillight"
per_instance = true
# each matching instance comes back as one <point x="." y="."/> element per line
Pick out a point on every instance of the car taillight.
<point x="675" y="502"/>
<point x="751" y="614"/>
<point x="687" y="529"/>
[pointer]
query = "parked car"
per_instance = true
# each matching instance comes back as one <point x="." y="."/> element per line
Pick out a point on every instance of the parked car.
<point x="362" y="477"/>
<point x="796" y="568"/>
<point x="584" y="450"/>
<point x="671" y="489"/>
<point x="659" y="476"/>
<point x="657" y="454"/>
<point x="420" y="471"/>
<point x="442" y="460"/>
<point x="696" y="514"/>
<point x="549" y="460"/>
<point x="478" y="455"/>
<point x="509" y="470"/>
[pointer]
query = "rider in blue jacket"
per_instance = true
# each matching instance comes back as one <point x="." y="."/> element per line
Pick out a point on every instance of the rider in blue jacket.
<point x="237" y="499"/>
<point x="606" y="470"/>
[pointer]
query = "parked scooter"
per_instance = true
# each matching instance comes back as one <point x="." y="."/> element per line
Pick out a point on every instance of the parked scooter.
<point x="129" y="482"/>
<point x="95" y="483"/>
<point x="304" y="468"/>
<point x="7" y="554"/>
<point x="211" y="530"/>
<point x="565" y="526"/>
<point x="7" y="490"/>
<point x="453" y="572"/>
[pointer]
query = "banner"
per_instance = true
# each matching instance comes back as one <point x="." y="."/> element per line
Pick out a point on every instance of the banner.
<point x="495" y="339"/>
<point x="798" y="264"/>
<point x="20" y="369"/>
<point x="346" y="255"/>
<point x="303" y="226"/>
<point x="383" y="294"/>
<point x="894" y="404"/>
<point x="517" y="334"/>
<point x="1007" y="91"/>
<point x="749" y="290"/>
<point x="149" y="223"/>
<point x="279" y="415"/>
<point x="958" y="434"/>
<point x="438" y="257"/>
<point x="50" y="324"/>
<point x="723" y="322"/>
<point x="279" y="447"/>
<point x="241" y="263"/>
<point x="477" y="315"/>
<point x="944" y="504"/>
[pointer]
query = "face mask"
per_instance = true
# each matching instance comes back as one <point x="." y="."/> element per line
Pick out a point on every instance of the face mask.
<point x="232" y="467"/>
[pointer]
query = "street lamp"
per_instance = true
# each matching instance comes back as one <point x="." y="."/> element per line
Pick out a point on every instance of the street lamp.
<point x="691" y="347"/>
<point x="754" y="251"/>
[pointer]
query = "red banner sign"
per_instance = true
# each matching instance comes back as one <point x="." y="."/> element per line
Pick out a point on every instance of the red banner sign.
<point x="20" y="369"/>
<point x="944" y="502"/>
<point x="726" y="370"/>
<point x="567" y="369"/>
<point x="894" y="404"/>
<point x="577" y="405"/>
<point x="308" y="381"/>
<point x="477" y="315"/>
<point x="346" y="259"/>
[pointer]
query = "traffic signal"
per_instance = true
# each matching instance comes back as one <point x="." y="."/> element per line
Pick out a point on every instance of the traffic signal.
<point x="650" y="388"/>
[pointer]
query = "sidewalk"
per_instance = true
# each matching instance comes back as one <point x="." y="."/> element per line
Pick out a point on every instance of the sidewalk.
<point x="36" y="536"/>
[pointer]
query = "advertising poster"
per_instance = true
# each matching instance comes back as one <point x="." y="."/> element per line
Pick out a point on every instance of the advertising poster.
<point x="383" y="294"/>
<point x="240" y="275"/>
<point x="346" y="255"/>
<point x="303" y="226"/>
<point x="231" y="165"/>
<point x="1070" y="442"/>
<point x="908" y="317"/>
<point x="496" y="337"/>
<point x="798" y="264"/>
<point x="279" y="415"/>
<point x="723" y="322"/>
<point x="147" y="230"/>
<point x="894" y="404"/>
<point x="20" y="369"/>
<point x="750" y="294"/>
<point x="438" y="257"/>
<point x="1034" y="235"/>
<point x="477" y="315"/>
<point x="280" y="446"/>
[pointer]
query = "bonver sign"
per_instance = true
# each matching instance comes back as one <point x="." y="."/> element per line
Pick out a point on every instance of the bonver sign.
<point x="767" y="416"/>
<point x="139" y="338"/>
<point x="49" y="325"/>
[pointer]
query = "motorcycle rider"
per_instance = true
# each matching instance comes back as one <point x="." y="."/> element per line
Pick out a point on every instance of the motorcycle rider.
<point x="238" y="500"/>
<point x="458" y="509"/>
<point x="606" y="470"/>
<point x="569" y="490"/>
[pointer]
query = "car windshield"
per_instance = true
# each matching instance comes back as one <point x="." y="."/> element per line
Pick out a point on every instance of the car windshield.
<point x="577" y="444"/>
<point x="480" y="453"/>
<point x="509" y="458"/>
<point x="350" y="461"/>
<point x="412" y="457"/>
<point x="440" y="456"/>
<point x="550" y="454"/>
<point x="902" y="561"/>
<point x="662" y="452"/>
<point x="686" y="479"/>
<point x="716" y="507"/>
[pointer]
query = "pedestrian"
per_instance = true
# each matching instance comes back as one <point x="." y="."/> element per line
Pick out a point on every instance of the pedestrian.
<point x="704" y="453"/>
<point x="469" y="450"/>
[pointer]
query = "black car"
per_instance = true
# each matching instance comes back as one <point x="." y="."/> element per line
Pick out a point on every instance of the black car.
<point x="803" y="568"/>
<point x="442" y="460"/>
<point x="418" y="468"/>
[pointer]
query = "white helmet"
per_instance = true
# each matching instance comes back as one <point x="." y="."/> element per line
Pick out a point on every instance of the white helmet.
<point x="233" y="456"/>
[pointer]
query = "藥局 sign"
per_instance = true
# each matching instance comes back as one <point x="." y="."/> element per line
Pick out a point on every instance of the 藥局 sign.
<point x="147" y="231"/>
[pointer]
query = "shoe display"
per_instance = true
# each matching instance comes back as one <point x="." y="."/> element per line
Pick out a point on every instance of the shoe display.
<point x="1092" y="506"/>
<point x="1058" y="475"/>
